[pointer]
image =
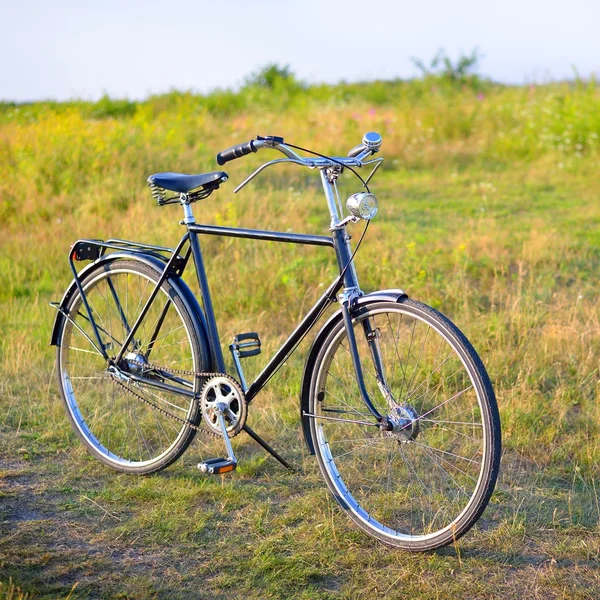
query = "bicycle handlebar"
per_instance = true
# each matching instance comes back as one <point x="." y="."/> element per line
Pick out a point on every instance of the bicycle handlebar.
<point x="370" y="145"/>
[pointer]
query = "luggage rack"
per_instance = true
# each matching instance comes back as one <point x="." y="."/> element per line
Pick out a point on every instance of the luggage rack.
<point x="93" y="249"/>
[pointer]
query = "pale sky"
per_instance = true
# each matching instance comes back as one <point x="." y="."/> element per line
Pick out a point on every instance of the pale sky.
<point x="65" y="49"/>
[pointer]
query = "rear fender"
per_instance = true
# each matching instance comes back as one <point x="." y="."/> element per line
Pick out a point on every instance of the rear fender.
<point x="332" y="322"/>
<point x="179" y="286"/>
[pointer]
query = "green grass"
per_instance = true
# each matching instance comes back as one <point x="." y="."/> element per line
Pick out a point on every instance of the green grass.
<point x="489" y="212"/>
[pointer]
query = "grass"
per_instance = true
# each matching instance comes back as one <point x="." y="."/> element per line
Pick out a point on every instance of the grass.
<point x="489" y="212"/>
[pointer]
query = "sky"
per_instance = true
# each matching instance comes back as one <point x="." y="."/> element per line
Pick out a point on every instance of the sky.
<point x="65" y="49"/>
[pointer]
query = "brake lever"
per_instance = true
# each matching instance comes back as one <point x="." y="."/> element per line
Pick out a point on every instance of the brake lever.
<point x="270" y="138"/>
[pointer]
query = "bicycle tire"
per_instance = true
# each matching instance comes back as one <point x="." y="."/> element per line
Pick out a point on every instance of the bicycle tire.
<point x="117" y="427"/>
<point x="438" y="488"/>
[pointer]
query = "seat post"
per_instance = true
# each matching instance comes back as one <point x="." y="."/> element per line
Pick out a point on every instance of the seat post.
<point x="188" y="215"/>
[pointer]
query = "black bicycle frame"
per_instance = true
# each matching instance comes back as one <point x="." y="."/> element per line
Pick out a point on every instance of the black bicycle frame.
<point x="177" y="264"/>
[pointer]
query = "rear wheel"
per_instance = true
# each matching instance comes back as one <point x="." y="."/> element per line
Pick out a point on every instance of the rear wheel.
<point x="424" y="484"/>
<point x="124" y="423"/>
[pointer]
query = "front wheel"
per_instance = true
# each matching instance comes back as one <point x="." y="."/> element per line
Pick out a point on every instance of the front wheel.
<point x="425" y="483"/>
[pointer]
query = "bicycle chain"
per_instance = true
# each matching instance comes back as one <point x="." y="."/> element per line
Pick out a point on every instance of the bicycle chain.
<point x="151" y="367"/>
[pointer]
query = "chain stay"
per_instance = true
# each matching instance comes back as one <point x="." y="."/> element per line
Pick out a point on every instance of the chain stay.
<point x="151" y="367"/>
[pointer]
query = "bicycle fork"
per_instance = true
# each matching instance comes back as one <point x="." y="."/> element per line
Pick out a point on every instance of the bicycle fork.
<point x="371" y="335"/>
<point x="351" y="289"/>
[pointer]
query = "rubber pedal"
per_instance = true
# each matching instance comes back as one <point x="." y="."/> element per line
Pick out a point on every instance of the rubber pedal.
<point x="247" y="344"/>
<point x="216" y="466"/>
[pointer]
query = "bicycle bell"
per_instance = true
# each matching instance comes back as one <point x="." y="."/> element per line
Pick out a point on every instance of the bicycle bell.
<point x="372" y="141"/>
<point x="363" y="205"/>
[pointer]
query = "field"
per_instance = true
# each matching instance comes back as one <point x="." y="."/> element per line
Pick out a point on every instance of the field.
<point x="489" y="211"/>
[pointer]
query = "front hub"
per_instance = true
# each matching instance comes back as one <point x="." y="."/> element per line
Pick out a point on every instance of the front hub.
<point x="405" y="423"/>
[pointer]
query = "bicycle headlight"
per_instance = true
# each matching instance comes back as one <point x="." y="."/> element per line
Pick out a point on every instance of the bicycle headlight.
<point x="363" y="205"/>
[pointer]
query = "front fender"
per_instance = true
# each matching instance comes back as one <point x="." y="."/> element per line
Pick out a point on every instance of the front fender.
<point x="309" y="365"/>
<point x="181" y="288"/>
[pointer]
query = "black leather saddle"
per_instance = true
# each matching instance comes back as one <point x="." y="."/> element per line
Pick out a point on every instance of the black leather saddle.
<point x="181" y="183"/>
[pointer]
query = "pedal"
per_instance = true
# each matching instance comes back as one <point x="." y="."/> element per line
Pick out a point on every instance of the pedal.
<point x="216" y="466"/>
<point x="244" y="344"/>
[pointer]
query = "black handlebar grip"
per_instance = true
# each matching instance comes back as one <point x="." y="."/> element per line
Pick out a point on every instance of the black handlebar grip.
<point x="235" y="152"/>
<point x="355" y="151"/>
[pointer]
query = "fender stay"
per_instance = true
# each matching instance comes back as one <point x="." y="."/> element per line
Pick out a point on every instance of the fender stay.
<point x="181" y="288"/>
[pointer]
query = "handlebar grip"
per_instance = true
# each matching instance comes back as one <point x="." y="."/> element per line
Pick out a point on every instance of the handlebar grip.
<point x="235" y="152"/>
<point x="355" y="151"/>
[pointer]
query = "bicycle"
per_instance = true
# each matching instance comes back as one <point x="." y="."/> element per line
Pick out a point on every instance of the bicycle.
<point x="395" y="403"/>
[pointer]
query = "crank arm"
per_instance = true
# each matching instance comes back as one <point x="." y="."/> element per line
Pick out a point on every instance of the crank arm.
<point x="215" y="466"/>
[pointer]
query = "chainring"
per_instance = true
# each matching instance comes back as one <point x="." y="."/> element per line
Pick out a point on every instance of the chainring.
<point x="226" y="390"/>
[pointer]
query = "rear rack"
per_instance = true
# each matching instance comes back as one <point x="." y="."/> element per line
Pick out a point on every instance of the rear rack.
<point x="91" y="249"/>
<point x="174" y="259"/>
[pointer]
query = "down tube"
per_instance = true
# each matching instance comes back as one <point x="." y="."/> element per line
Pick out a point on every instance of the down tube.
<point x="309" y="320"/>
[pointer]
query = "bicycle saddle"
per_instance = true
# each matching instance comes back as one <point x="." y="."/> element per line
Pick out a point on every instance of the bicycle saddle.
<point x="181" y="183"/>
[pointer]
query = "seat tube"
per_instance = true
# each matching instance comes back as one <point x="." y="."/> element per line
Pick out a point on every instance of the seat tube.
<point x="213" y="334"/>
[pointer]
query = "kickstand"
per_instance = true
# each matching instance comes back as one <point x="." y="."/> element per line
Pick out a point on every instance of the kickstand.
<point x="268" y="448"/>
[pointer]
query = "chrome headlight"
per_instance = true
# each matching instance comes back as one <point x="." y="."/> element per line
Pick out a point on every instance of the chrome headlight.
<point x="363" y="205"/>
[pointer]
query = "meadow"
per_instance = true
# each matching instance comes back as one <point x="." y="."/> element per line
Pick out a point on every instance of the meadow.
<point x="489" y="211"/>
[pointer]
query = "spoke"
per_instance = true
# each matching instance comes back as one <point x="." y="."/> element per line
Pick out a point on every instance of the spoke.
<point x="404" y="457"/>
<point x="439" y="405"/>
<point x="168" y="333"/>
<point x="444" y="472"/>
<point x="395" y="338"/>
<point x="445" y="452"/>
<point x="340" y="410"/>
<point x="410" y="395"/>
<point x="390" y="459"/>
<point x="347" y="440"/>
<point x="172" y="319"/>
<point x="100" y="328"/>
<point x="352" y="393"/>
<point x="86" y="351"/>
<point x="352" y="409"/>
<point x="95" y="311"/>
<point x="437" y="387"/>
<point x="454" y="431"/>
<point x="370" y="442"/>
<point x="140" y="433"/>
<point x="412" y="337"/>
<point x="471" y="424"/>
<point x="451" y="464"/>
<point x="364" y="368"/>
<point x="181" y="342"/>
<point x="112" y="406"/>
<point x="410" y="383"/>
<point x="351" y="421"/>
<point x="145" y="390"/>
<point x="142" y="294"/>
